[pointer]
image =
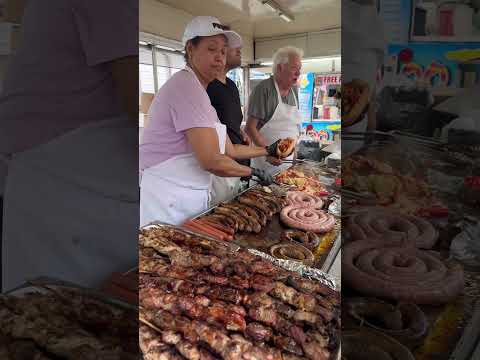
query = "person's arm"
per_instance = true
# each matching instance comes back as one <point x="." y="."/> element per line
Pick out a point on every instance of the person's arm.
<point x="204" y="142"/>
<point x="252" y="131"/>
<point x="125" y="79"/>
<point x="245" y="137"/>
<point x="241" y="152"/>
<point x="258" y="139"/>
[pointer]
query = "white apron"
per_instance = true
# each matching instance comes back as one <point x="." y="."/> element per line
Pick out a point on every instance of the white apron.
<point x="178" y="188"/>
<point x="363" y="55"/>
<point x="284" y="123"/>
<point x="224" y="188"/>
<point x="71" y="207"/>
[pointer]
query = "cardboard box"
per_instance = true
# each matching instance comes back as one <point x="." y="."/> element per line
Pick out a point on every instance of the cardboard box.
<point x="9" y="38"/>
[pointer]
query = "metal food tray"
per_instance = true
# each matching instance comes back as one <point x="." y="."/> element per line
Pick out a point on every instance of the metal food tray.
<point x="332" y="253"/>
<point x="38" y="285"/>
<point x="303" y="270"/>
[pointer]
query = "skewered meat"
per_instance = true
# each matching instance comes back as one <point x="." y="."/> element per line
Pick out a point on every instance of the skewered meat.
<point x="239" y="283"/>
<point x="258" y="332"/>
<point x="263" y="268"/>
<point x="43" y="319"/>
<point x="315" y="351"/>
<point x="288" y="345"/>
<point x="236" y="308"/>
<point x="262" y="283"/>
<point x="153" y="348"/>
<point x="309" y="286"/>
<point x="263" y="314"/>
<point x="305" y="316"/>
<point x="159" y="299"/>
<point x="291" y="296"/>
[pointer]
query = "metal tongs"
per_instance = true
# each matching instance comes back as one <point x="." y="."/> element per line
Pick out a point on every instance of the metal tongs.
<point x="294" y="160"/>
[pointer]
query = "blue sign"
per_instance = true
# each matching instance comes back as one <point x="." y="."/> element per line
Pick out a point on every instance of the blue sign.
<point x="305" y="95"/>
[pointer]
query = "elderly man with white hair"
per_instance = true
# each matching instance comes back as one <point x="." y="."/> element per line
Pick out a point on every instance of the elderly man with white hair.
<point x="273" y="106"/>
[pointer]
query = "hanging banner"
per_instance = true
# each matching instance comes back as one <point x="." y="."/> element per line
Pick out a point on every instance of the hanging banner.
<point x="305" y="95"/>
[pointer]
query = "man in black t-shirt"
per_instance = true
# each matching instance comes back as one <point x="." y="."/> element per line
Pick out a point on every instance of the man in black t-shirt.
<point x="225" y="98"/>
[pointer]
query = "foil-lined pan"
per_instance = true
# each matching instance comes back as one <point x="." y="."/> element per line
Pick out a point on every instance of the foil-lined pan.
<point x="291" y="265"/>
<point x="299" y="268"/>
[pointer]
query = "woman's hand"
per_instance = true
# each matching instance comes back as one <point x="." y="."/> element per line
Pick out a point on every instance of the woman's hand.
<point x="264" y="178"/>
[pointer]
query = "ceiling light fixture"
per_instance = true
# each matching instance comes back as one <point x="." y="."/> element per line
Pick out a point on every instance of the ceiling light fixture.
<point x="274" y="7"/>
<point x="285" y="17"/>
<point x="165" y="48"/>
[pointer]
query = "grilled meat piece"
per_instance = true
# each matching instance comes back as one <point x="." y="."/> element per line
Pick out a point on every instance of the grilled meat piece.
<point x="287" y="345"/>
<point x="262" y="283"/>
<point x="243" y="224"/>
<point x="254" y="202"/>
<point x="152" y="346"/>
<point x="264" y="315"/>
<point x="257" y="332"/>
<point x="264" y="268"/>
<point x="239" y="283"/>
<point x="291" y="296"/>
<point x="306" y="317"/>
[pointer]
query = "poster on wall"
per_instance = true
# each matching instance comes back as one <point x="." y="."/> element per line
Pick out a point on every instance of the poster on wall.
<point x="321" y="130"/>
<point x="305" y="95"/>
<point x="437" y="65"/>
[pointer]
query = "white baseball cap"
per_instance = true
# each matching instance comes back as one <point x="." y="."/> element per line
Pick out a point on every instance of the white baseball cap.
<point x="210" y="26"/>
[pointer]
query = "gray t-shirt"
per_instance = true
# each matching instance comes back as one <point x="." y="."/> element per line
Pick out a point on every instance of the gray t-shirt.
<point x="264" y="100"/>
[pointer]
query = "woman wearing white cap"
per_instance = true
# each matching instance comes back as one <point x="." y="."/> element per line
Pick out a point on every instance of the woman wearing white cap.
<point x="184" y="142"/>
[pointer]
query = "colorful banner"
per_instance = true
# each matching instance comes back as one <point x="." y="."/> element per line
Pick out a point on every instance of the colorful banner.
<point x="305" y="95"/>
<point x="434" y="65"/>
<point x="321" y="130"/>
